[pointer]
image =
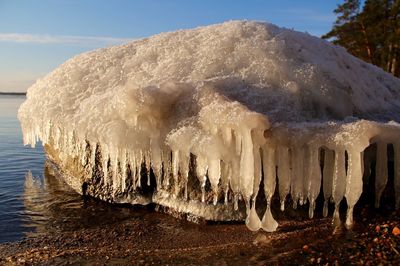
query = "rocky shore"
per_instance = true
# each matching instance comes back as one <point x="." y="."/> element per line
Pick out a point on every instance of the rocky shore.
<point x="157" y="238"/>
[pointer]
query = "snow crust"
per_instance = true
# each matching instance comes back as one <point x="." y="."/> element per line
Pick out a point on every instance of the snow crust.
<point x="249" y="101"/>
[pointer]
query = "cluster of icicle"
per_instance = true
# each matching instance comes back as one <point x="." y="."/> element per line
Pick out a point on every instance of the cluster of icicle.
<point x="240" y="102"/>
<point x="237" y="158"/>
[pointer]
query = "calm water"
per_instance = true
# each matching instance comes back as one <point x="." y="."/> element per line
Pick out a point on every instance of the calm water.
<point x="38" y="203"/>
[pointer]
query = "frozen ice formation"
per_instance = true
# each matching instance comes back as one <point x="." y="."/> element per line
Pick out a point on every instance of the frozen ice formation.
<point x="214" y="120"/>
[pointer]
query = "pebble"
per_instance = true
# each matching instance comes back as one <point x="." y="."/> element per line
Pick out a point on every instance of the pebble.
<point x="261" y="239"/>
<point x="396" y="231"/>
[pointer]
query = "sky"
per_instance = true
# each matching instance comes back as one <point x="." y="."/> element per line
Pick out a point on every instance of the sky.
<point x="38" y="35"/>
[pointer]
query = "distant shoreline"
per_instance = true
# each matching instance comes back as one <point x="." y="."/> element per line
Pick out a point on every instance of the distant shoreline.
<point x="13" y="93"/>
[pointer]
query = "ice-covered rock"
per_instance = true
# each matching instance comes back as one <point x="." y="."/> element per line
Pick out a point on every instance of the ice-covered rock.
<point x="199" y="120"/>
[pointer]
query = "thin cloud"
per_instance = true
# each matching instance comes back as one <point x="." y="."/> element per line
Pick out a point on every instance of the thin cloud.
<point x="60" y="39"/>
<point x="16" y="85"/>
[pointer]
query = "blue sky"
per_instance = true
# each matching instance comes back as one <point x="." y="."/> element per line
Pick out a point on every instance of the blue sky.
<point x="37" y="36"/>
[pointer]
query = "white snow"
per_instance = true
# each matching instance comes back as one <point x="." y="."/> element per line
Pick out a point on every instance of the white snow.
<point x="243" y="97"/>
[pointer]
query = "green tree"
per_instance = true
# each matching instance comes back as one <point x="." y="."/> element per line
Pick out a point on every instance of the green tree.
<point x="371" y="32"/>
<point x="392" y="43"/>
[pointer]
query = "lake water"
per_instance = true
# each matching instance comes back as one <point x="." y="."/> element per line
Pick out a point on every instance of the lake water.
<point x="15" y="161"/>
<point x="33" y="202"/>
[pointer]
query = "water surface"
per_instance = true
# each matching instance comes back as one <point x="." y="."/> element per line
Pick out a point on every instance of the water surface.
<point x="32" y="201"/>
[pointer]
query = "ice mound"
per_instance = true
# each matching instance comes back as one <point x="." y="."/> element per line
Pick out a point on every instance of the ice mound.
<point x="204" y="118"/>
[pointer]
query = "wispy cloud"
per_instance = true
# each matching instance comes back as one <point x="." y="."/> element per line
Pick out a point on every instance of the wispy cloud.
<point x="60" y="39"/>
<point x="16" y="85"/>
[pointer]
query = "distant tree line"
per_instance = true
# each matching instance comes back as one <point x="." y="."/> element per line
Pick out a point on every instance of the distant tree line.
<point x="370" y="32"/>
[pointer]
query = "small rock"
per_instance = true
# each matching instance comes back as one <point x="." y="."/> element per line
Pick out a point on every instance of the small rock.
<point x="261" y="239"/>
<point x="396" y="231"/>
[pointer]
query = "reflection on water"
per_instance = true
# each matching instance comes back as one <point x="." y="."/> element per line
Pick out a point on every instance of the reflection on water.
<point x="9" y="105"/>
<point x="52" y="206"/>
<point x="15" y="161"/>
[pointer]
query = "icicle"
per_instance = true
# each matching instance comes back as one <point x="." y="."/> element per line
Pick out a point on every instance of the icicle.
<point x="283" y="174"/>
<point x="74" y="141"/>
<point x="93" y="147"/>
<point x="336" y="216"/>
<point x="257" y="170"/>
<point x="297" y="181"/>
<point x="339" y="183"/>
<point x="252" y="220"/>
<point x="57" y="137"/>
<point x="268" y="222"/>
<point x="47" y="130"/>
<point x="214" y="174"/>
<point x="167" y="165"/>
<point x="354" y="183"/>
<point x="105" y="157"/>
<point x="33" y="139"/>
<point x="247" y="165"/>
<point x="37" y="133"/>
<point x="381" y="171"/>
<point x="123" y="164"/>
<point x="147" y="161"/>
<point x="203" y="189"/>
<point x="184" y="169"/>
<point x="225" y="178"/>
<point x="269" y="168"/>
<point x="396" y="147"/>
<point x="236" y="202"/>
<point x="201" y="170"/>
<point x="64" y="141"/>
<point x="175" y="171"/>
<point x="114" y="168"/>
<point x="248" y="206"/>
<point x="329" y="164"/>
<point x="138" y="160"/>
<point x="84" y="156"/>
<point x="238" y="143"/>
<point x="314" y="179"/>
<point x="163" y="170"/>
<point x="234" y="182"/>
<point x="133" y="167"/>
